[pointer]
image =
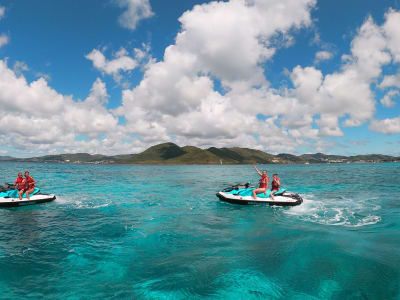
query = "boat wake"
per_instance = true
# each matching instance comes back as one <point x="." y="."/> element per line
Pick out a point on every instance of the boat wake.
<point x="82" y="203"/>
<point x="337" y="212"/>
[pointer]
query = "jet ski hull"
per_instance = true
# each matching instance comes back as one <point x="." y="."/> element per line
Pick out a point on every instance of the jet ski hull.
<point x="283" y="200"/>
<point x="34" y="199"/>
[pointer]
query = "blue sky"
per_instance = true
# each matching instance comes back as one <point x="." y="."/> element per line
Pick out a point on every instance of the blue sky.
<point x="117" y="76"/>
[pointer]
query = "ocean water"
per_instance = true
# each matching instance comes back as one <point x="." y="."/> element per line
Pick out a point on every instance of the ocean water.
<point x="159" y="232"/>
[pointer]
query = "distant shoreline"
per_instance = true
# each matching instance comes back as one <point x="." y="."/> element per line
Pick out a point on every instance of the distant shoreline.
<point x="172" y="154"/>
<point x="193" y="164"/>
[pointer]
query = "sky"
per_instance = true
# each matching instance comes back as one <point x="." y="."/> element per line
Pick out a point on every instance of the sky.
<point x="118" y="76"/>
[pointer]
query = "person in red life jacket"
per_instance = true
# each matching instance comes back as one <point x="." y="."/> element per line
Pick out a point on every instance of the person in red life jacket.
<point x="20" y="185"/>
<point x="263" y="183"/>
<point x="275" y="185"/>
<point x="29" y="184"/>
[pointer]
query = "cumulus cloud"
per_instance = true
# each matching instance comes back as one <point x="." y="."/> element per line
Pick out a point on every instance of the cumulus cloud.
<point x="390" y="81"/>
<point x="392" y="34"/>
<point x="2" y="11"/>
<point x="35" y="117"/>
<point x="387" y="99"/>
<point x="20" y="67"/>
<point x="227" y="41"/>
<point x="386" y="126"/>
<point x="322" y="55"/>
<point x="3" y="37"/>
<point x="391" y="28"/>
<point x="136" y="10"/>
<point x="121" y="63"/>
<point x="324" y="99"/>
<point x="177" y="96"/>
<point x="3" y="40"/>
<point x="324" y="145"/>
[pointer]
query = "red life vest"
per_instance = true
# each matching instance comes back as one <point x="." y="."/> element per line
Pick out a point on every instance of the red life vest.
<point x="19" y="183"/>
<point x="263" y="182"/>
<point x="29" y="183"/>
<point x="275" y="185"/>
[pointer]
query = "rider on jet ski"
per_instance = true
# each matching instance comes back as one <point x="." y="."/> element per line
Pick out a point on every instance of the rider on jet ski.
<point x="263" y="183"/>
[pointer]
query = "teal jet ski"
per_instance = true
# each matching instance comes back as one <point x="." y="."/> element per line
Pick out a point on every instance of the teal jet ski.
<point x="242" y="194"/>
<point x="9" y="197"/>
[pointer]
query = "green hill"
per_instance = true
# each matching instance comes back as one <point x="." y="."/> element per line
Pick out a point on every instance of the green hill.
<point x="321" y="158"/>
<point x="7" y="158"/>
<point x="194" y="155"/>
<point x="290" y="159"/>
<point x="238" y="155"/>
<point x="371" y="157"/>
<point x="226" y="155"/>
<point x="170" y="153"/>
<point x="75" y="157"/>
<point x="156" y="154"/>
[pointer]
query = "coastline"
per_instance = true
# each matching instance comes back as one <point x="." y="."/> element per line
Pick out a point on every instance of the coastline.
<point x="172" y="154"/>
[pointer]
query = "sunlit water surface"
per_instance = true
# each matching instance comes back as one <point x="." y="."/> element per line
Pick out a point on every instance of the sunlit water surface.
<point x="155" y="232"/>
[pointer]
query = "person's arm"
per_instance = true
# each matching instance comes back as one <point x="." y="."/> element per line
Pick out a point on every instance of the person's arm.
<point x="259" y="173"/>
<point x="33" y="182"/>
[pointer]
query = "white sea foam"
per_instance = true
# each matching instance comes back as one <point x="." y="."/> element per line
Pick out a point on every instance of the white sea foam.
<point x="90" y="204"/>
<point x="82" y="202"/>
<point x="61" y="200"/>
<point x="337" y="212"/>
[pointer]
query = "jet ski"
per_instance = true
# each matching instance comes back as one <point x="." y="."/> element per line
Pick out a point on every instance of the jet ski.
<point x="242" y="194"/>
<point x="9" y="197"/>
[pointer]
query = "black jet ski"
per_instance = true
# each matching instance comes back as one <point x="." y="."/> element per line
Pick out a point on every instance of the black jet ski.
<point x="9" y="197"/>
<point x="242" y="194"/>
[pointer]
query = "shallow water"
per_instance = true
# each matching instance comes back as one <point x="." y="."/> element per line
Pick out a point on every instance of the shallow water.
<point x="152" y="232"/>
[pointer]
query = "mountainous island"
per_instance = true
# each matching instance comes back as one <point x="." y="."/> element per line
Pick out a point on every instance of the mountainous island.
<point x="170" y="153"/>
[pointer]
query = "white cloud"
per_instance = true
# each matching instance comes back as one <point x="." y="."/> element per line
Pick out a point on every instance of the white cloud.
<point x="386" y="126"/>
<point x="219" y="40"/>
<point x="390" y="81"/>
<point x="392" y="33"/>
<point x="341" y="94"/>
<point x="2" y="11"/>
<point x="177" y="96"/>
<point x="322" y="55"/>
<point x="136" y="10"/>
<point x="329" y="125"/>
<point x="225" y="42"/>
<point x="3" y="40"/>
<point x="387" y="99"/>
<point x="121" y="62"/>
<point x="391" y="28"/>
<point x="20" y="67"/>
<point x="45" y="76"/>
<point x="230" y="39"/>
<point x="35" y="117"/>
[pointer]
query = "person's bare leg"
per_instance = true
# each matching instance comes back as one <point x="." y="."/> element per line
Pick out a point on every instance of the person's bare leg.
<point x="272" y="195"/>
<point x="28" y="192"/>
<point x="257" y="191"/>
<point x="20" y="193"/>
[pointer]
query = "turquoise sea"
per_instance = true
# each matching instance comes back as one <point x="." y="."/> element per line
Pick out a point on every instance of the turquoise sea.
<point x="159" y="232"/>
